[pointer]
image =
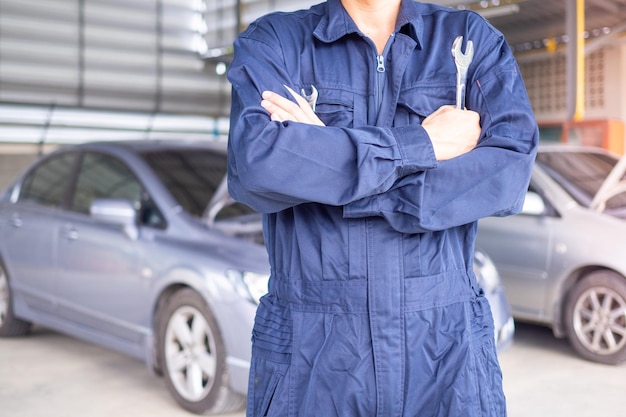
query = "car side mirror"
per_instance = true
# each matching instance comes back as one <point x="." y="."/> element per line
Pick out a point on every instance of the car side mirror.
<point x="116" y="211"/>
<point x="533" y="204"/>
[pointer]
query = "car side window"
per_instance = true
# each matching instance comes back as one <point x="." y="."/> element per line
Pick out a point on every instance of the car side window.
<point x="548" y="208"/>
<point x="47" y="183"/>
<point x="104" y="176"/>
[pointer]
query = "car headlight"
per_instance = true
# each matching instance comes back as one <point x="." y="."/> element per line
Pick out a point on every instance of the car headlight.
<point x="248" y="285"/>
<point x="486" y="272"/>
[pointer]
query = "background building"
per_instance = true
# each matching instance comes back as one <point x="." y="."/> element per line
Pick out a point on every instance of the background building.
<point x="78" y="70"/>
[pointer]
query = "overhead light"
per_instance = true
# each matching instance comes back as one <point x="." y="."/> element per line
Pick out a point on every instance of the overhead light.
<point x="220" y="68"/>
<point x="199" y="6"/>
<point x="492" y="8"/>
<point x="220" y="54"/>
<point x="198" y="24"/>
<point x="199" y="45"/>
<point x="496" y="11"/>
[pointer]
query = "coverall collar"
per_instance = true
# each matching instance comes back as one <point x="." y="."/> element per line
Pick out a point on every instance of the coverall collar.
<point x="338" y="23"/>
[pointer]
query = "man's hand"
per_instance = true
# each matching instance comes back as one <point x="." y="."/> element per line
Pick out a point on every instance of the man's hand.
<point x="282" y="109"/>
<point x="452" y="131"/>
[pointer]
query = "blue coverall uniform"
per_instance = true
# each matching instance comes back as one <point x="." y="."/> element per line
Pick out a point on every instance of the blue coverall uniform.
<point x="373" y="308"/>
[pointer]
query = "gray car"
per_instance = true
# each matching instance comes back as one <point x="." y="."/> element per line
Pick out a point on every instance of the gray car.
<point x="563" y="259"/>
<point x="131" y="246"/>
<point x="138" y="247"/>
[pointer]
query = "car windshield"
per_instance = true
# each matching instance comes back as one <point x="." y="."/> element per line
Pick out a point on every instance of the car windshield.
<point x="581" y="174"/>
<point x="193" y="176"/>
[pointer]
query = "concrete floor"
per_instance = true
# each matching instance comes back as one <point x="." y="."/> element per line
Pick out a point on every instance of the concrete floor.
<point x="50" y="375"/>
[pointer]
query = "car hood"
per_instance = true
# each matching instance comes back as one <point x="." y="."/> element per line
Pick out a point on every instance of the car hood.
<point x="612" y="186"/>
<point x="249" y="227"/>
<point x="220" y="199"/>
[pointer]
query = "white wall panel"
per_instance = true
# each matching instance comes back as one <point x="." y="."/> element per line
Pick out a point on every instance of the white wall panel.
<point x="125" y="55"/>
<point x="104" y="55"/>
<point x="38" y="51"/>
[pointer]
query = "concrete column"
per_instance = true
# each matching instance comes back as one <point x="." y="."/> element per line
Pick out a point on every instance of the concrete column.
<point x="575" y="61"/>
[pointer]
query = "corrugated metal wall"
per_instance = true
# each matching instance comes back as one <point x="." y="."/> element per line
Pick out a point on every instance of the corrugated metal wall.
<point x="74" y="70"/>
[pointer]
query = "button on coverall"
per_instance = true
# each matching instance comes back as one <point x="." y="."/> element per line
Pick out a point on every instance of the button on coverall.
<point x="373" y="308"/>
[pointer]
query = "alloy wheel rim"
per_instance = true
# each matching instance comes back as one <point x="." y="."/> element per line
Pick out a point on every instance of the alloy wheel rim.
<point x="190" y="353"/>
<point x="600" y="321"/>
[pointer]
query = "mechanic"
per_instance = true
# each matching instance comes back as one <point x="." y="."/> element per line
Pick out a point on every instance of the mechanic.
<point x="344" y="134"/>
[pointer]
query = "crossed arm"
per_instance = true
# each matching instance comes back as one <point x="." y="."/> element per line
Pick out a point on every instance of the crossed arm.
<point x="452" y="132"/>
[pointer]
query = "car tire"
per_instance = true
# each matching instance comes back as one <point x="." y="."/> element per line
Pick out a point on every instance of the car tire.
<point x="595" y="317"/>
<point x="192" y="356"/>
<point x="10" y="326"/>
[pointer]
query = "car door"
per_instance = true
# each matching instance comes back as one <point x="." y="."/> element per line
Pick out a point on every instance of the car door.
<point x="100" y="280"/>
<point x="30" y="236"/>
<point x="520" y="247"/>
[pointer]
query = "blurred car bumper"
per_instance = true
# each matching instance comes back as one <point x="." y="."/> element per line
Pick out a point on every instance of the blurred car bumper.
<point x="502" y="319"/>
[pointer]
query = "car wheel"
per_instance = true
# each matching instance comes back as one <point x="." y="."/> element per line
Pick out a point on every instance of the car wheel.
<point x="10" y="326"/>
<point x="596" y="317"/>
<point x="192" y="356"/>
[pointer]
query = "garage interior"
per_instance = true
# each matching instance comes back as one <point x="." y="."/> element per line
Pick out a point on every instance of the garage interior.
<point x="80" y="70"/>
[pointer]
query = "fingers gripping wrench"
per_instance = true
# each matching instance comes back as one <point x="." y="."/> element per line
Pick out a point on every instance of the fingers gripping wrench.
<point x="462" y="61"/>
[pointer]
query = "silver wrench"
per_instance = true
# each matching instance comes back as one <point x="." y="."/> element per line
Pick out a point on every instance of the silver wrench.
<point x="311" y="98"/>
<point x="462" y="61"/>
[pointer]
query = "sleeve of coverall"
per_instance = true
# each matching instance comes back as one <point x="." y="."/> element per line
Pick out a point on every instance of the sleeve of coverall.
<point x="490" y="180"/>
<point x="273" y="165"/>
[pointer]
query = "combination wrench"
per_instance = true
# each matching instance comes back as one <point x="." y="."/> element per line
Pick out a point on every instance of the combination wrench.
<point x="462" y="61"/>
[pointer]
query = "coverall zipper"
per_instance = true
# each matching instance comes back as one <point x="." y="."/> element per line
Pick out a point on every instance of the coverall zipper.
<point x="380" y="69"/>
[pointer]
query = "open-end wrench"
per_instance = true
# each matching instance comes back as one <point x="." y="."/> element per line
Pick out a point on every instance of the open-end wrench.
<point x="312" y="97"/>
<point x="462" y="61"/>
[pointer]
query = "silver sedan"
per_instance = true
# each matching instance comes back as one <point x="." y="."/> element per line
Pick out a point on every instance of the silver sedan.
<point x="133" y="246"/>
<point x="563" y="259"/>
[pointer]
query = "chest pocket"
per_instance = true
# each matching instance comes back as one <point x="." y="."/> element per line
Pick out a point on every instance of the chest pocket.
<point x="419" y="101"/>
<point x="339" y="107"/>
